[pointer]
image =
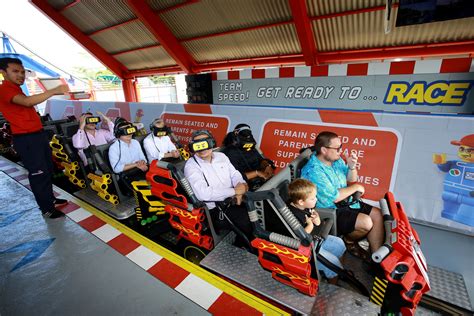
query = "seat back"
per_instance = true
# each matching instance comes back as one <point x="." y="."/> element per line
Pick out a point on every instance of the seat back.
<point x="101" y="157"/>
<point x="51" y="130"/>
<point x="69" y="129"/>
<point x="296" y="165"/>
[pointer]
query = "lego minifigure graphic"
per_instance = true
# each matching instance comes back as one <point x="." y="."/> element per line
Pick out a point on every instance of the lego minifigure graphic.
<point x="458" y="193"/>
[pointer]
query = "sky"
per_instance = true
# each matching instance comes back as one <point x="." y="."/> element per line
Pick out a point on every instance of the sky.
<point x="26" y="24"/>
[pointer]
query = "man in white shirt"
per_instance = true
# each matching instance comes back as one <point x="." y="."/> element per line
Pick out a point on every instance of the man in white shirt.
<point x="126" y="156"/>
<point x="87" y="134"/>
<point x="157" y="144"/>
<point x="213" y="178"/>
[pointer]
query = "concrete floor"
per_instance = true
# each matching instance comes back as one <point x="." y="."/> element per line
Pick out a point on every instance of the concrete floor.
<point x="55" y="267"/>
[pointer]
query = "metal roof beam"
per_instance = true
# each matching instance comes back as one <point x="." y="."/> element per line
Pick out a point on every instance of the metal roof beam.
<point x="407" y="51"/>
<point x="161" y="32"/>
<point x="154" y="72"/>
<point x="70" y="5"/>
<point x="304" y="31"/>
<point x="351" y="12"/>
<point x="113" y="27"/>
<point x="92" y="47"/>
<point x="284" y="60"/>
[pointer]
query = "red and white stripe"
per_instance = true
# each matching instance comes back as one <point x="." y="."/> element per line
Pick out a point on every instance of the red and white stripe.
<point x="191" y="286"/>
<point x="410" y="67"/>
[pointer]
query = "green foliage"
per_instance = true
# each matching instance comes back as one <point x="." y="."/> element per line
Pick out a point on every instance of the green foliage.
<point x="163" y="80"/>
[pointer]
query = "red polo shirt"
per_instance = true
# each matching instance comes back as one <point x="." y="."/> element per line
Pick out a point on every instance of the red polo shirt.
<point x="22" y="119"/>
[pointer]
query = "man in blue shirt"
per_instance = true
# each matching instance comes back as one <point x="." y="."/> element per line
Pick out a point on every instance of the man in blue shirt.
<point x="331" y="174"/>
<point x="126" y="156"/>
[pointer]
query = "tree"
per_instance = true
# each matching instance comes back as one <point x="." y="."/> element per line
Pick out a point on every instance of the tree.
<point x="163" y="80"/>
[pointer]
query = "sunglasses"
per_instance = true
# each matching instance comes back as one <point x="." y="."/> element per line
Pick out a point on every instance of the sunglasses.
<point x="338" y="149"/>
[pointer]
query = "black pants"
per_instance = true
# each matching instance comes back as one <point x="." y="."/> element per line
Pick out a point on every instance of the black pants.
<point x="127" y="177"/>
<point x="35" y="154"/>
<point x="239" y="216"/>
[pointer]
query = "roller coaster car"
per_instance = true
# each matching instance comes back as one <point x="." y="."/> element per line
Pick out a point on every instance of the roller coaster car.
<point x="186" y="214"/>
<point x="102" y="179"/>
<point x="400" y="268"/>
<point x="67" y="159"/>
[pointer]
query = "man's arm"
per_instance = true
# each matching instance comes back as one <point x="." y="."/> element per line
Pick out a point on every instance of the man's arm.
<point x="33" y="100"/>
<point x="348" y="191"/>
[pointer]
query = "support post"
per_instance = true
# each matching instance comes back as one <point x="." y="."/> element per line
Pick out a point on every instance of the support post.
<point x="129" y="90"/>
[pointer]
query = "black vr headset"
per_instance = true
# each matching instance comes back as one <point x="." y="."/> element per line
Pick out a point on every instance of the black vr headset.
<point x="124" y="128"/>
<point x="159" y="131"/>
<point x="201" y="144"/>
<point x="244" y="138"/>
<point x="93" y="119"/>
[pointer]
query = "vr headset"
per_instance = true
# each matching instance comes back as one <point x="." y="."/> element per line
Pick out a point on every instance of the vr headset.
<point x="160" y="131"/>
<point x="125" y="129"/>
<point x="92" y="120"/>
<point x="201" y="144"/>
<point x="244" y="138"/>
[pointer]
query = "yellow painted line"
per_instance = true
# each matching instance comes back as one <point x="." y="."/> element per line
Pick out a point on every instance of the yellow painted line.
<point x="240" y="294"/>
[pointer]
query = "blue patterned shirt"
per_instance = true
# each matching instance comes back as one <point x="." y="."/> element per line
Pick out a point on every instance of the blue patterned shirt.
<point x="328" y="179"/>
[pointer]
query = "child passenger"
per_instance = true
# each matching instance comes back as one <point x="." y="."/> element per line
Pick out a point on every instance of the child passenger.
<point x="302" y="199"/>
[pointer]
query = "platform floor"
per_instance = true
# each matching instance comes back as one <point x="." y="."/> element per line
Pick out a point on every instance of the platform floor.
<point x="87" y="264"/>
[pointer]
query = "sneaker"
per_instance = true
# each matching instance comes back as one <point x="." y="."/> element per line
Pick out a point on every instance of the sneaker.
<point x="60" y="202"/>
<point x="54" y="213"/>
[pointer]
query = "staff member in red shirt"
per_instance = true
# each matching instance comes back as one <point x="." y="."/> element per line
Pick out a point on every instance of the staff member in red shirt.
<point x="29" y="139"/>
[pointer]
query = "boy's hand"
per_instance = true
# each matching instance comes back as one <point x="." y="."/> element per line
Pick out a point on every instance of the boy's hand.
<point x="316" y="219"/>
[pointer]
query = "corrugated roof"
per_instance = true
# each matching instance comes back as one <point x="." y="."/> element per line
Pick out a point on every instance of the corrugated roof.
<point x="323" y="7"/>
<point x="146" y="59"/>
<point x="94" y="15"/>
<point x="208" y="17"/>
<point x="214" y="34"/>
<point x="366" y="30"/>
<point x="130" y="36"/>
<point x="279" y="40"/>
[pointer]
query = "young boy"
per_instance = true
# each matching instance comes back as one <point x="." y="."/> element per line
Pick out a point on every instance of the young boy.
<point x="302" y="199"/>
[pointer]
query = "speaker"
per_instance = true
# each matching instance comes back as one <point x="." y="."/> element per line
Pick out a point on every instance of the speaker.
<point x="199" y="88"/>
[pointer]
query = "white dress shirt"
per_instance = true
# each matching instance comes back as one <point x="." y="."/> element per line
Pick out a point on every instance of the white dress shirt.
<point x="214" y="180"/>
<point x="121" y="154"/>
<point x="157" y="147"/>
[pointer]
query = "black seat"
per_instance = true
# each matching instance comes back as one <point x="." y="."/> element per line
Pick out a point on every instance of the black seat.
<point x="69" y="129"/>
<point x="100" y="156"/>
<point x="51" y="130"/>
